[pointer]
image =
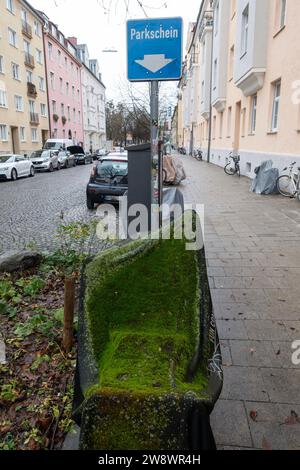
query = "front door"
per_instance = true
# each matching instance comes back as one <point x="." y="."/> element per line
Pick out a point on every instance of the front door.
<point x="15" y="140"/>
<point x="237" y="127"/>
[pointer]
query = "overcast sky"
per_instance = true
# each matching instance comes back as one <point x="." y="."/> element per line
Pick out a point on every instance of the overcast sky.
<point x="102" y="26"/>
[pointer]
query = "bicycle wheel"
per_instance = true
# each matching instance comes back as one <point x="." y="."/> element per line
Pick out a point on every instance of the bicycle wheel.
<point x="229" y="170"/>
<point x="285" y="186"/>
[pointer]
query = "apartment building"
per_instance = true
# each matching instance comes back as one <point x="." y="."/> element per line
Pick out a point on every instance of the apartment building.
<point x="93" y="100"/>
<point x="241" y="82"/>
<point x="64" y="85"/>
<point x="24" y="124"/>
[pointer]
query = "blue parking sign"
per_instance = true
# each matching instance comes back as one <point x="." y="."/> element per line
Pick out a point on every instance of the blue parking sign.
<point x="154" y="49"/>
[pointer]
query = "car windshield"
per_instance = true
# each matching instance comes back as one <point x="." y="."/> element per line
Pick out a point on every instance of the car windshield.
<point x="53" y="146"/>
<point x="6" y="158"/>
<point x="37" y="154"/>
<point x="111" y="169"/>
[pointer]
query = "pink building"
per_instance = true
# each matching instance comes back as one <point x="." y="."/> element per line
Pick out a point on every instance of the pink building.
<point x="64" y="86"/>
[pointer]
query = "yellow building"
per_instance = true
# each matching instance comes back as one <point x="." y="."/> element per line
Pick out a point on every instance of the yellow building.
<point x="242" y="82"/>
<point x="24" y="122"/>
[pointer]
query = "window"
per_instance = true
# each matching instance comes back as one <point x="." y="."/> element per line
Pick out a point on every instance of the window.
<point x="245" y="30"/>
<point x="69" y="115"/>
<point x="79" y="116"/>
<point x="73" y="92"/>
<point x="66" y="62"/>
<point x="1" y="64"/>
<point x="229" y="121"/>
<point x="31" y="106"/>
<point x="215" y="73"/>
<point x="29" y="76"/>
<point x="37" y="28"/>
<point x="54" y="107"/>
<point x="275" y="107"/>
<point x="26" y="46"/>
<point x="78" y="95"/>
<point x="67" y="89"/>
<point x="50" y="50"/>
<point x="41" y="83"/>
<point x="10" y="5"/>
<point x="221" y="125"/>
<point x="34" y="134"/>
<point x="253" y="114"/>
<point x="43" y="110"/>
<point x="39" y="57"/>
<point x="217" y="17"/>
<point x="3" y="132"/>
<point x="3" y="99"/>
<point x="74" y="115"/>
<point x="24" y="16"/>
<point x="12" y="37"/>
<point x="214" y="127"/>
<point x="282" y="13"/>
<point x="62" y="109"/>
<point x="231" y="63"/>
<point x="15" y="71"/>
<point x="243" y="121"/>
<point x="52" y="80"/>
<point x="22" y="134"/>
<point x="59" y="57"/>
<point x="19" y="103"/>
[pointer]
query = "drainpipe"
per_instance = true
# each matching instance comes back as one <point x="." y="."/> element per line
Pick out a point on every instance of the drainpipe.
<point x="47" y="82"/>
<point x="211" y="84"/>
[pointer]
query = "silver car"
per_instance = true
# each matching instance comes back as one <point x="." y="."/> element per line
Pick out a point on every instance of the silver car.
<point x="45" y="160"/>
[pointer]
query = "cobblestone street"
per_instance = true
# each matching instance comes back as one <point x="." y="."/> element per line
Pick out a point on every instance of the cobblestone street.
<point x="252" y="248"/>
<point x="31" y="208"/>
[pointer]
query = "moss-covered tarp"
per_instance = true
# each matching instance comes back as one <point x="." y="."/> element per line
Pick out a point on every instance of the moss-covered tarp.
<point x="147" y="337"/>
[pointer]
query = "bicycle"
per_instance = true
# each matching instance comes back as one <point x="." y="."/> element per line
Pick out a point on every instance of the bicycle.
<point x="289" y="185"/>
<point x="233" y="170"/>
<point x="198" y="154"/>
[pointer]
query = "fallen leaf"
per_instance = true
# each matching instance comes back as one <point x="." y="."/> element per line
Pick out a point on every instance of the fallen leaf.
<point x="253" y="415"/>
<point x="265" y="444"/>
<point x="292" y="419"/>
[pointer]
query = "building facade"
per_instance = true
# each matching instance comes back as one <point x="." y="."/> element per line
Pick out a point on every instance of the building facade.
<point x="93" y="100"/>
<point x="64" y="85"/>
<point x="24" y="124"/>
<point x="241" y="82"/>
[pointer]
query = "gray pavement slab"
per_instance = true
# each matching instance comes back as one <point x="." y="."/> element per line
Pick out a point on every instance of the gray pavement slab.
<point x="253" y="256"/>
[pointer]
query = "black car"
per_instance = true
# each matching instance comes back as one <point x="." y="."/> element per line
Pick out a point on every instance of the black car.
<point x="108" y="181"/>
<point x="81" y="158"/>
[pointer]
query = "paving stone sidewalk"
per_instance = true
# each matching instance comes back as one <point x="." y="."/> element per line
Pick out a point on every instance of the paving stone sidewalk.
<point x="253" y="254"/>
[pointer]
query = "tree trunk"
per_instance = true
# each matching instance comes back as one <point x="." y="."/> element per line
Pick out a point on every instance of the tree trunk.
<point x="69" y="313"/>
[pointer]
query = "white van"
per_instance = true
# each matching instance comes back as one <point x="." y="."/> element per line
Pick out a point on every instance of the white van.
<point x="58" y="144"/>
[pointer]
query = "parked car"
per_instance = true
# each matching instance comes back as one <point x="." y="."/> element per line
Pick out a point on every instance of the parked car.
<point x="45" y="160"/>
<point x="58" y="144"/>
<point x="100" y="153"/>
<point x="81" y="158"/>
<point x="108" y="181"/>
<point x="13" y="167"/>
<point x="66" y="159"/>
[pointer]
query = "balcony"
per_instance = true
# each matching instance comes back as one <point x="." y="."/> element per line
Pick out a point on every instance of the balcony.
<point x="26" y="29"/>
<point x="29" y="60"/>
<point x="206" y="24"/>
<point x="34" y="119"/>
<point x="31" y="90"/>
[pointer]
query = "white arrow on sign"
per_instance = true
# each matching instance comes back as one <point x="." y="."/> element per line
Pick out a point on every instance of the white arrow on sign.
<point x="154" y="62"/>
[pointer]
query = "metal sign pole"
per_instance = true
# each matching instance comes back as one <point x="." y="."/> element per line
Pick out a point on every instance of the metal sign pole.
<point x="154" y="100"/>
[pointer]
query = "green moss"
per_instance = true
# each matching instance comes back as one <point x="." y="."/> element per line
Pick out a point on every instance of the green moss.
<point x="142" y="309"/>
